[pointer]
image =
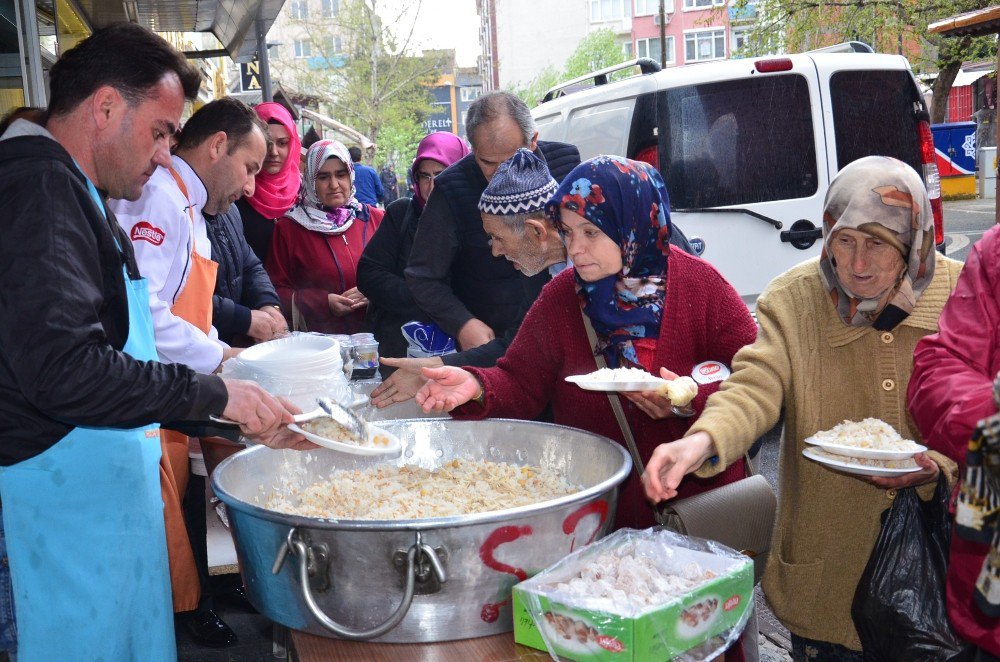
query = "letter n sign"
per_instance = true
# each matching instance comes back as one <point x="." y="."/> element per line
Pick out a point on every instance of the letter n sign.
<point x="250" y="76"/>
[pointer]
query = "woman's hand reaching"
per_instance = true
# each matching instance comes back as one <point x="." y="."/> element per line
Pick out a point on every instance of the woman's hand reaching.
<point x="447" y="388"/>
<point x="674" y="460"/>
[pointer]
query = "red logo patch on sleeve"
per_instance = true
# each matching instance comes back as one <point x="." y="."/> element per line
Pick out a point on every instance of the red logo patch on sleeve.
<point x="145" y="231"/>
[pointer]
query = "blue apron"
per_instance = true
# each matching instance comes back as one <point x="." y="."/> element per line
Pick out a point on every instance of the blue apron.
<point x="85" y="536"/>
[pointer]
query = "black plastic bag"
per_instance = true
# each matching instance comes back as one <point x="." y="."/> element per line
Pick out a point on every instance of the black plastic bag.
<point x="899" y="606"/>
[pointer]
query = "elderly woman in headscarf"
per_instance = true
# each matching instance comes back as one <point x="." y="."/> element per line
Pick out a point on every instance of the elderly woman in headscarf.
<point x="380" y="272"/>
<point x="316" y="247"/>
<point x="836" y="343"/>
<point x="276" y="187"/>
<point x="652" y="308"/>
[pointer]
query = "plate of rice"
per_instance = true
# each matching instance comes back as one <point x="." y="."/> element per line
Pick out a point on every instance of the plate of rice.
<point x="328" y="433"/>
<point x="680" y="391"/>
<point x="871" y="439"/>
<point x="861" y="466"/>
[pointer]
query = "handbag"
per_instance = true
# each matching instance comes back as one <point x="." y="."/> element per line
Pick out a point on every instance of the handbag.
<point x="739" y="515"/>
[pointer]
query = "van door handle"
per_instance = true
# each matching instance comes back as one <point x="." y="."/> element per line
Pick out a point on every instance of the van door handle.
<point x="803" y="234"/>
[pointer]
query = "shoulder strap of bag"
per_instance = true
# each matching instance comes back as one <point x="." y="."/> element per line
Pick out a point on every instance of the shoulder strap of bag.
<point x="616" y="407"/>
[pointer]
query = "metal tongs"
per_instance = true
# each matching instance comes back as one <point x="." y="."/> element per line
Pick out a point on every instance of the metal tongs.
<point x="345" y="417"/>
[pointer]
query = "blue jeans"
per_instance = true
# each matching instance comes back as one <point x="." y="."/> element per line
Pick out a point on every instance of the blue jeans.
<point x="8" y="624"/>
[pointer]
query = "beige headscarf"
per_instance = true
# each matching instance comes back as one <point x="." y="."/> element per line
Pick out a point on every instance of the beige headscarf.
<point x="887" y="199"/>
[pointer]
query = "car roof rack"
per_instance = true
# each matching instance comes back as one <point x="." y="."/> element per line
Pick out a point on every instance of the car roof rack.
<point x="845" y="47"/>
<point x="646" y="66"/>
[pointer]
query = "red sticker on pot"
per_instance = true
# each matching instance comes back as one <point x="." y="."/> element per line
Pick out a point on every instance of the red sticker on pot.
<point x="709" y="372"/>
<point x="609" y="643"/>
<point x="732" y="603"/>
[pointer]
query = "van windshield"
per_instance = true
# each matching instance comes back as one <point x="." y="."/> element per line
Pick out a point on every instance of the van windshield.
<point x="858" y="98"/>
<point x="738" y="142"/>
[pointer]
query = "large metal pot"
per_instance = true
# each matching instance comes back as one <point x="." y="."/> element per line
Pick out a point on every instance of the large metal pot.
<point x="415" y="580"/>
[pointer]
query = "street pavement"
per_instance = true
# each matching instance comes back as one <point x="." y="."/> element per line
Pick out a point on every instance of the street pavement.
<point x="965" y="221"/>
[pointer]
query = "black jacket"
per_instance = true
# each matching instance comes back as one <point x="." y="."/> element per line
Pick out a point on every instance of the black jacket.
<point x="257" y="228"/>
<point x="64" y="314"/>
<point x="380" y="277"/>
<point x="241" y="284"/>
<point x="452" y="272"/>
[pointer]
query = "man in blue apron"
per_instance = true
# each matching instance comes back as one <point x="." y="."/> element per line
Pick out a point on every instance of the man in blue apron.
<point x="80" y="387"/>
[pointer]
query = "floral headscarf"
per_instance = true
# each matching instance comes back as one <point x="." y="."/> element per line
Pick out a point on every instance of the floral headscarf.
<point x="309" y="212"/>
<point x="275" y="194"/>
<point x="627" y="200"/>
<point x="885" y="198"/>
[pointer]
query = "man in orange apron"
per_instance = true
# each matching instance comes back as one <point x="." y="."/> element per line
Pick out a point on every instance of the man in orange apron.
<point x="219" y="152"/>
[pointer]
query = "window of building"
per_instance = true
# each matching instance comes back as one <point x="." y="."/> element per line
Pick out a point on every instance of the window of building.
<point x="705" y="45"/>
<point x="303" y="48"/>
<point x="703" y="4"/>
<point x="652" y="7"/>
<point x="608" y="10"/>
<point x="300" y="10"/>
<point x="651" y="48"/>
<point x="330" y="8"/>
<point x="738" y="42"/>
<point x="333" y="45"/>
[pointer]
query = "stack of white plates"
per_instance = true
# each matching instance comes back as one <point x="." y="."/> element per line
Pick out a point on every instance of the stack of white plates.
<point x="302" y="355"/>
<point x="300" y="367"/>
<point x="863" y="461"/>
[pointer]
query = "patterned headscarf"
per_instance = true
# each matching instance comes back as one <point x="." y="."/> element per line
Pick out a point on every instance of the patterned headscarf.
<point x="627" y="200"/>
<point x="275" y="194"/>
<point x="309" y="212"/>
<point x="885" y="198"/>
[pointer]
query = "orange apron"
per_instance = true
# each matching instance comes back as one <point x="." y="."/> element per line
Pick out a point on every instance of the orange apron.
<point x="194" y="306"/>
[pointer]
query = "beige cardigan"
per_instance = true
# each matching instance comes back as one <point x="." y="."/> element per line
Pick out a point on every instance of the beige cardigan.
<point x="822" y="372"/>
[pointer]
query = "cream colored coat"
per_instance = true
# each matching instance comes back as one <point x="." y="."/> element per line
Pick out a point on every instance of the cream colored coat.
<point x="822" y="372"/>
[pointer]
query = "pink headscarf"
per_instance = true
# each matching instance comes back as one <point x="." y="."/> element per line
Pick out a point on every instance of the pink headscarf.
<point x="441" y="146"/>
<point x="276" y="194"/>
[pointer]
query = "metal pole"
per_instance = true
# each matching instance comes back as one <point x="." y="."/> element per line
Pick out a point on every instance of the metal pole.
<point x="663" y="36"/>
<point x="996" y="121"/>
<point x="265" y="66"/>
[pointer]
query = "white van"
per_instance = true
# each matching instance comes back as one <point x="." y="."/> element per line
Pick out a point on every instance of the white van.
<point x="748" y="148"/>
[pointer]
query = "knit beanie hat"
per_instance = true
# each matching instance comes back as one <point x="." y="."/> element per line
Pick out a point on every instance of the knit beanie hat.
<point x="522" y="184"/>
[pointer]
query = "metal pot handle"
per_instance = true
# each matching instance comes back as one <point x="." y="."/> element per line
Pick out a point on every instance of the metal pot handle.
<point x="301" y="550"/>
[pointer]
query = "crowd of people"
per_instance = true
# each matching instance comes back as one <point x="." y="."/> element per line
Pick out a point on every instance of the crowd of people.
<point x="139" y="255"/>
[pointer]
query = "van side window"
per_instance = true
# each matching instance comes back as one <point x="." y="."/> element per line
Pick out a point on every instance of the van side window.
<point x="873" y="115"/>
<point x="738" y="142"/>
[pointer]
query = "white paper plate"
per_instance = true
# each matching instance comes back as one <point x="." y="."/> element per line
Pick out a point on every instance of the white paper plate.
<point x="589" y="384"/>
<point x="867" y="453"/>
<point x="394" y="447"/>
<point x="859" y="469"/>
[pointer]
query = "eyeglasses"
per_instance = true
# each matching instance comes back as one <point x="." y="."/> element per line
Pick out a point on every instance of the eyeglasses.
<point x="427" y="177"/>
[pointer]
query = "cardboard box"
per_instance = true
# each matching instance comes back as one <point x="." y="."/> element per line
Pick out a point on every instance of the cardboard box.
<point x="660" y="632"/>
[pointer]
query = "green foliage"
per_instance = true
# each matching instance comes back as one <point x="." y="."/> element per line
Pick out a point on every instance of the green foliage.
<point x="889" y="26"/>
<point x="598" y="50"/>
<point x="374" y="84"/>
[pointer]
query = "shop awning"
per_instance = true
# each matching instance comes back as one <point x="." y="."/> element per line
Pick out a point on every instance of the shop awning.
<point x="974" y="23"/>
<point x="231" y="21"/>
<point x="968" y="77"/>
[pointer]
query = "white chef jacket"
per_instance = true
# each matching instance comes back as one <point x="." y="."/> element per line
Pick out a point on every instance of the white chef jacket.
<point x="162" y="233"/>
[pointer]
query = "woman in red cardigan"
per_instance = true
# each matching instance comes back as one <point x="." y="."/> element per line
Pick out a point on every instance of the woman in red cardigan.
<point x="315" y="249"/>
<point x="652" y="308"/>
